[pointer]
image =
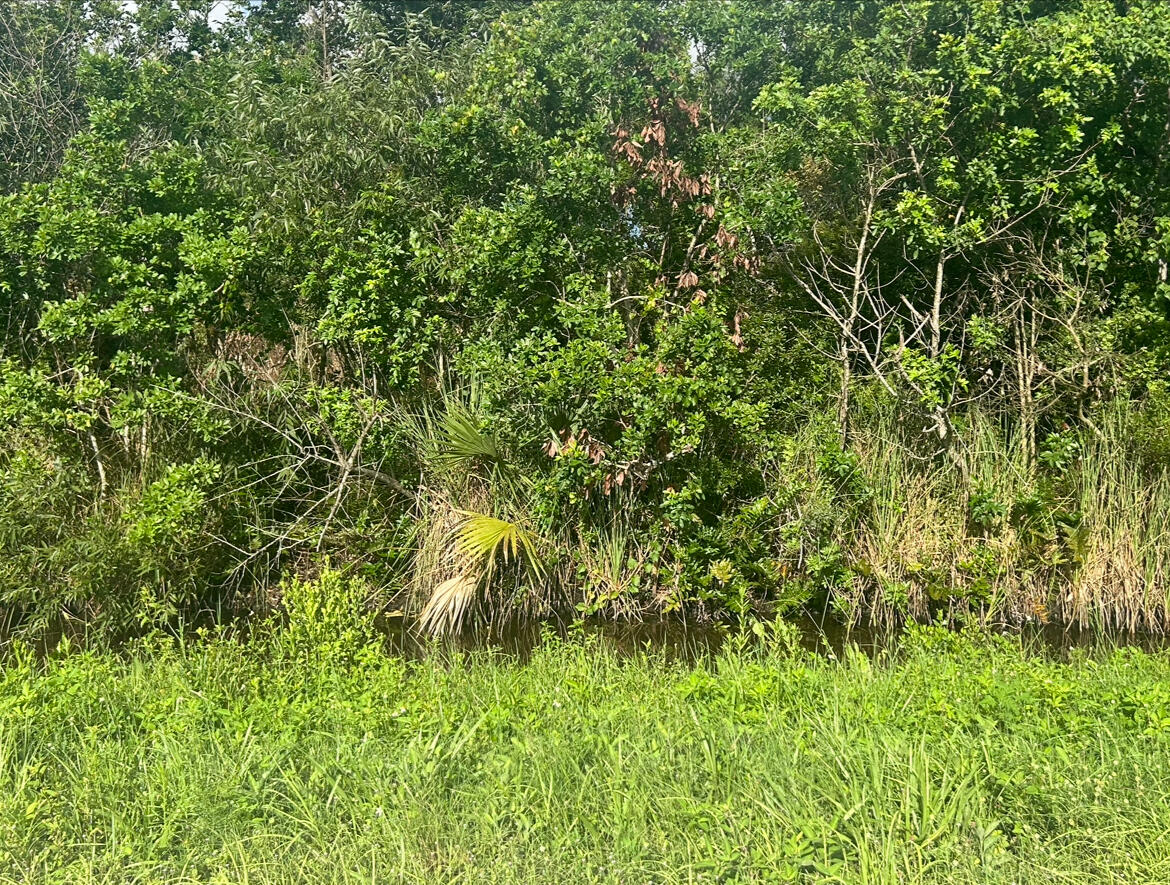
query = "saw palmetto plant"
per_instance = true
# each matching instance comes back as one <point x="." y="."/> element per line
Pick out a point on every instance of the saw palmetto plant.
<point x="482" y="546"/>
<point x="478" y="546"/>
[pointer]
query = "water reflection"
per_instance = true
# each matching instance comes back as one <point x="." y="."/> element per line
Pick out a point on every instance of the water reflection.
<point x="679" y="640"/>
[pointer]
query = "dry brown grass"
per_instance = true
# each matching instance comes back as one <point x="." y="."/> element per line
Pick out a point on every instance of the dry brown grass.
<point x="916" y="548"/>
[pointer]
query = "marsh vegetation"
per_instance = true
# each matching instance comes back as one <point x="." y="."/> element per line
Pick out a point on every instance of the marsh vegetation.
<point x="948" y="759"/>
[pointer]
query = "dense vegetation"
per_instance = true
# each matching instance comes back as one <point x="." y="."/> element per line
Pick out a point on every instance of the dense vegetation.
<point x="624" y="307"/>
<point x="957" y="760"/>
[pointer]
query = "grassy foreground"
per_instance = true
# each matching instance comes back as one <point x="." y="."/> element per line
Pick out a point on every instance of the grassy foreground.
<point x="960" y="759"/>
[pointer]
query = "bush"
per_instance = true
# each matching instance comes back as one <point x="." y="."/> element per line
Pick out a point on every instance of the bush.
<point x="326" y="616"/>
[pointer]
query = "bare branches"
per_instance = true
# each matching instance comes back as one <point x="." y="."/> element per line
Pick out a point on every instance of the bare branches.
<point x="316" y="471"/>
<point x="40" y="98"/>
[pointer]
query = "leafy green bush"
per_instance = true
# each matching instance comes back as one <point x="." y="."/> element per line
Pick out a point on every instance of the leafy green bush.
<point x="326" y="616"/>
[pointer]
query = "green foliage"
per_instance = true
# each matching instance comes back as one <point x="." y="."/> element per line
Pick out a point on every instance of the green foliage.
<point x="690" y="257"/>
<point x="132" y="558"/>
<point x="987" y="511"/>
<point x="326" y="617"/>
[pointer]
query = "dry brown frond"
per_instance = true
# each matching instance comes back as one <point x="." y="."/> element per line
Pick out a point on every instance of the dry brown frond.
<point x="444" y="611"/>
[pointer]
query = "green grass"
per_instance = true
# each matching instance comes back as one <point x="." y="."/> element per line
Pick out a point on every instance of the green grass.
<point x="959" y="759"/>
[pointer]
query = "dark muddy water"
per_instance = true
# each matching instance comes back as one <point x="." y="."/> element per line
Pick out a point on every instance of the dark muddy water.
<point x="677" y="639"/>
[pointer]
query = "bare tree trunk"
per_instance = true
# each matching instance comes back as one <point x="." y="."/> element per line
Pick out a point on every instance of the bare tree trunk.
<point x="97" y="460"/>
<point x="1025" y="381"/>
<point x="936" y="308"/>
<point x="843" y="399"/>
<point x="847" y="329"/>
<point x="936" y="303"/>
<point x="326" y="70"/>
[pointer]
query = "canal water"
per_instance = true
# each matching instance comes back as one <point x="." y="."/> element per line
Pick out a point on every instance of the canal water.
<point x="678" y="639"/>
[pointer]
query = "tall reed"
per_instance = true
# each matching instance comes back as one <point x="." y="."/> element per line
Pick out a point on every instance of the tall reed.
<point x="990" y="535"/>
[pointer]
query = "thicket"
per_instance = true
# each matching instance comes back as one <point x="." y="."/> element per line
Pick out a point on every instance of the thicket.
<point x="616" y="307"/>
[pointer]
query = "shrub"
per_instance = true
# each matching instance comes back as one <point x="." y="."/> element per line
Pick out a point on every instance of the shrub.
<point x="326" y="616"/>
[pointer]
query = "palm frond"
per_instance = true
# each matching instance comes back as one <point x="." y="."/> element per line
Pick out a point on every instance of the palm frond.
<point x="448" y="604"/>
<point x="486" y="538"/>
<point x="461" y="439"/>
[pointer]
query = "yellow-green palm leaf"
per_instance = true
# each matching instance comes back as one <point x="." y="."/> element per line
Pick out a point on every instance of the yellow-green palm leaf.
<point x="487" y="539"/>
